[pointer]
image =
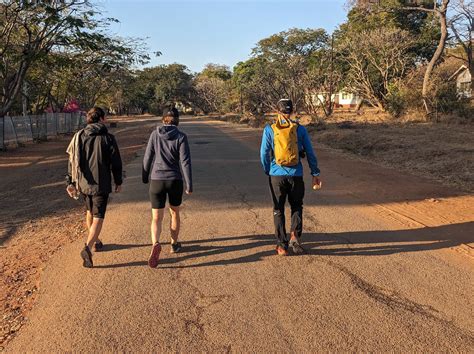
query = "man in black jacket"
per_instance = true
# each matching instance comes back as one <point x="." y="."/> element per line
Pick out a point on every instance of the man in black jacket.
<point x="93" y="155"/>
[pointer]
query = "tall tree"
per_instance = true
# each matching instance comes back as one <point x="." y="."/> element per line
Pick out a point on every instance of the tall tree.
<point x="437" y="8"/>
<point x="377" y="60"/>
<point x="283" y="59"/>
<point x="29" y="30"/>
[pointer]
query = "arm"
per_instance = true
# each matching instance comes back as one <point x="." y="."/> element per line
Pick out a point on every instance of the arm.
<point x="116" y="162"/>
<point x="311" y="156"/>
<point x="69" y="152"/>
<point x="69" y="173"/>
<point x="148" y="158"/>
<point x="185" y="160"/>
<point x="266" y="150"/>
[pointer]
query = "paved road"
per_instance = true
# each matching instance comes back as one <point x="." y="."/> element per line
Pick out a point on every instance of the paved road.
<point x="386" y="268"/>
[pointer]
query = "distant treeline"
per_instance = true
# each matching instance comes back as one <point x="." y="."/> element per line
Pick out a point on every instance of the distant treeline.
<point x="394" y="55"/>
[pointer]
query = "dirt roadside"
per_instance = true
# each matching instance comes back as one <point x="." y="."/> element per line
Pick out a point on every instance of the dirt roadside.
<point x="37" y="219"/>
<point x="442" y="152"/>
<point x="438" y="151"/>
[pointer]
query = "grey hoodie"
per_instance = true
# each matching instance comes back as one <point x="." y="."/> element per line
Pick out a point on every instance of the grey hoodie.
<point x="166" y="155"/>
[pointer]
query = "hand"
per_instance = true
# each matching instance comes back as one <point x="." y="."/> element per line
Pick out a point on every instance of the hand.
<point x="71" y="190"/>
<point x="118" y="188"/>
<point x="189" y="193"/>
<point x="317" y="183"/>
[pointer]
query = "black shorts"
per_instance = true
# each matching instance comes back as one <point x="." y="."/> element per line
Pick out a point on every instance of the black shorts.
<point x="160" y="189"/>
<point x="96" y="204"/>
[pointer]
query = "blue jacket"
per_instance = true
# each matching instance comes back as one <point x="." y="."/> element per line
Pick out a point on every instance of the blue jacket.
<point x="167" y="153"/>
<point x="267" y="156"/>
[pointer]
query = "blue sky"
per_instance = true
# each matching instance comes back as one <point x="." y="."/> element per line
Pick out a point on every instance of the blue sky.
<point x="197" y="32"/>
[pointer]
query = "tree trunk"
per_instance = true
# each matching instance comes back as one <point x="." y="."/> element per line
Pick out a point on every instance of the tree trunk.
<point x="13" y="91"/>
<point x="437" y="55"/>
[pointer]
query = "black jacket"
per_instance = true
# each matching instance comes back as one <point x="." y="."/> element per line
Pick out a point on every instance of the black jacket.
<point x="99" y="156"/>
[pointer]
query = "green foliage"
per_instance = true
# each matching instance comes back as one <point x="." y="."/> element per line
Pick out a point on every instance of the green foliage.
<point x="421" y="26"/>
<point x="280" y="67"/>
<point x="216" y="71"/>
<point x="169" y="84"/>
<point x="59" y="50"/>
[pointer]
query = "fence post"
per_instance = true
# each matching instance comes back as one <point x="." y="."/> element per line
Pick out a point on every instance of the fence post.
<point x="14" y="130"/>
<point x="31" y="127"/>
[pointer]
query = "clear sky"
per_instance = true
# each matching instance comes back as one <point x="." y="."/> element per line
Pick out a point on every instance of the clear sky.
<point x="197" y="32"/>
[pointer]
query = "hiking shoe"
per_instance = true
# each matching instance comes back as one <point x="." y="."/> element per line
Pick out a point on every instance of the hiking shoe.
<point x="86" y="257"/>
<point x="175" y="247"/>
<point x="281" y="251"/>
<point x="296" y="245"/>
<point x="98" y="246"/>
<point x="154" y="256"/>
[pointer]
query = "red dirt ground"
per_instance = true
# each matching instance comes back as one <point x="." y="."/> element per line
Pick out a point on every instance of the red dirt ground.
<point x="35" y="207"/>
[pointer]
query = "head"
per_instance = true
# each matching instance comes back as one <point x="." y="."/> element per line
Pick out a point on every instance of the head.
<point x="285" y="106"/>
<point x="171" y="116"/>
<point x="95" y="115"/>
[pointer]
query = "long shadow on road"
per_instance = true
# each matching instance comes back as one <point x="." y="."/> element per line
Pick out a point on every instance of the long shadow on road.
<point x="367" y="243"/>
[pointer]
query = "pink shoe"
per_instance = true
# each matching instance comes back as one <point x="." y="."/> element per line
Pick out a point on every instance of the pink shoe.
<point x="154" y="256"/>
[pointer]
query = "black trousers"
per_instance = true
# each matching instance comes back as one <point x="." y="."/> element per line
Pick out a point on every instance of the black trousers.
<point x="281" y="188"/>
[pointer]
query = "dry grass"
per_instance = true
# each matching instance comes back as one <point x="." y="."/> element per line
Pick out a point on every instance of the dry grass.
<point x="443" y="152"/>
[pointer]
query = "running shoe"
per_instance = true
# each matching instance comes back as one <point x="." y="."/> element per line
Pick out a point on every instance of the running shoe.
<point x="281" y="251"/>
<point x="175" y="247"/>
<point x="98" y="246"/>
<point x="154" y="256"/>
<point x="296" y="245"/>
<point x="86" y="257"/>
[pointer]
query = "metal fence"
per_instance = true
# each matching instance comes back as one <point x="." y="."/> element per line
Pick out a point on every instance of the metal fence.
<point x="21" y="129"/>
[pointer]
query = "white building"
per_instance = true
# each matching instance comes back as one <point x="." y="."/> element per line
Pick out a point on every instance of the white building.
<point x="341" y="99"/>
<point x="463" y="81"/>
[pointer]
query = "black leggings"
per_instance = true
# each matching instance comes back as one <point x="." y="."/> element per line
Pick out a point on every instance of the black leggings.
<point x="160" y="189"/>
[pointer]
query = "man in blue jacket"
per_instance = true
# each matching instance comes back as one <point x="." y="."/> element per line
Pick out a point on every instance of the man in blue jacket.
<point x="287" y="181"/>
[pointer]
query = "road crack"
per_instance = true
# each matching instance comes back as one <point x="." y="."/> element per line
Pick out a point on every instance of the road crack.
<point x="397" y="302"/>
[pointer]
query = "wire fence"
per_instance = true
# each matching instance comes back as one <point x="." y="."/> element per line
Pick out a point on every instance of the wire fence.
<point x="22" y="129"/>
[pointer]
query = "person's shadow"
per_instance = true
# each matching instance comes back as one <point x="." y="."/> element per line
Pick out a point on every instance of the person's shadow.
<point x="361" y="243"/>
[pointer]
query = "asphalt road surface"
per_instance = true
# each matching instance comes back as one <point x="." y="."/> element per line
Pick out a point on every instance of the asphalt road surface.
<point x="388" y="265"/>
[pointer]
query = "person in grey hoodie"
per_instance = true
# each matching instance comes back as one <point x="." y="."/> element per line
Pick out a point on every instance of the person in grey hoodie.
<point x="166" y="162"/>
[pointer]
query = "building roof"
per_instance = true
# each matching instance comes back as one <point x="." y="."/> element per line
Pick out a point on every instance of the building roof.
<point x="457" y="72"/>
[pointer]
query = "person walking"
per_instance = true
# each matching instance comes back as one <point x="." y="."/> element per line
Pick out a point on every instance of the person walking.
<point x="167" y="160"/>
<point x="284" y="144"/>
<point x="94" y="157"/>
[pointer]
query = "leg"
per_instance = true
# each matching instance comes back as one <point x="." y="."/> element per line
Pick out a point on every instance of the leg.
<point x="96" y="215"/>
<point x="156" y="223"/>
<point x="94" y="231"/>
<point x="88" y="220"/>
<point x="175" y="198"/>
<point x="98" y="245"/>
<point x="278" y="193"/>
<point x="158" y="201"/>
<point x="295" y="197"/>
<point x="96" y="206"/>
<point x="175" y="223"/>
